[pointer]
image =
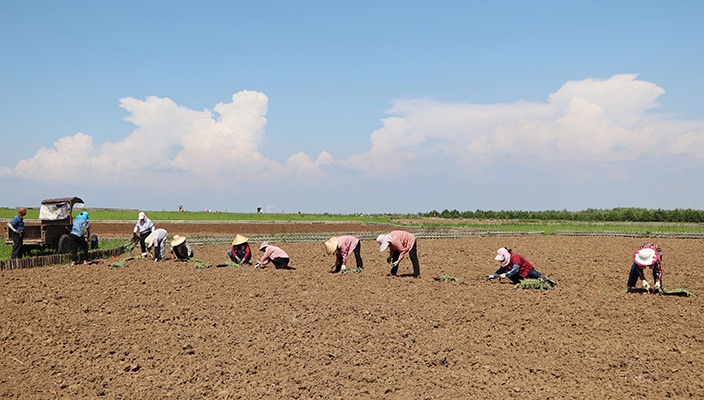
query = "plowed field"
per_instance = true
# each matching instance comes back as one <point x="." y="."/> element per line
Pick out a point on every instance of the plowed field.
<point x="168" y="330"/>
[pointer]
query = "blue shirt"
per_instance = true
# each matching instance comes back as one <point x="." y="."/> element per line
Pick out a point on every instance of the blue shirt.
<point x="78" y="225"/>
<point x="17" y="222"/>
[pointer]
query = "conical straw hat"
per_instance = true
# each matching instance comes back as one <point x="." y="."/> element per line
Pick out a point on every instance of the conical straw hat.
<point x="330" y="245"/>
<point x="239" y="239"/>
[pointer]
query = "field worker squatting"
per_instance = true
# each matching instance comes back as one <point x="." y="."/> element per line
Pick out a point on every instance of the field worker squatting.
<point x="514" y="267"/>
<point x="274" y="255"/>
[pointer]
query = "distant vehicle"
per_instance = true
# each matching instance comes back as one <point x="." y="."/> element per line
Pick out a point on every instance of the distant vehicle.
<point x="52" y="231"/>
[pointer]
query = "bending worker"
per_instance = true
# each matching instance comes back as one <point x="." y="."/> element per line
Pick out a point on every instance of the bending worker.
<point x="648" y="255"/>
<point x="400" y="243"/>
<point x="342" y="246"/>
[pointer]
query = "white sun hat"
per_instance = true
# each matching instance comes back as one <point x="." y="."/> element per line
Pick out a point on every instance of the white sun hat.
<point x="384" y="241"/>
<point x="644" y="257"/>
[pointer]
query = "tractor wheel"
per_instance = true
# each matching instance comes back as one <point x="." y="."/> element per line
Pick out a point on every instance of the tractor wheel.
<point x="64" y="244"/>
<point x="93" y="242"/>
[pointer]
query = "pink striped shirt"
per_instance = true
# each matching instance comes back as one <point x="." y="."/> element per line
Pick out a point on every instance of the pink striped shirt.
<point x="270" y="253"/>
<point x="402" y="242"/>
<point x="345" y="245"/>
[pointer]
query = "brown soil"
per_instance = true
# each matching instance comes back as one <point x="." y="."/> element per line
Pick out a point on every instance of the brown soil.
<point x="157" y="330"/>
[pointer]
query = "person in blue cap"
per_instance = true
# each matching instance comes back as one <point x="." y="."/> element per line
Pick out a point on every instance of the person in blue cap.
<point x="80" y="235"/>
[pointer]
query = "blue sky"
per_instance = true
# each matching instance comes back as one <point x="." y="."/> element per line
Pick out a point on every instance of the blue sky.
<point x="353" y="106"/>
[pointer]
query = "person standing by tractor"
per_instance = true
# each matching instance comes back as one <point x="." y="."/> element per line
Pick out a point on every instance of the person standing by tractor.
<point x="648" y="255"/>
<point x="342" y="246"/>
<point x="142" y="229"/>
<point x="16" y="226"/>
<point x="80" y="235"/>
<point x="400" y="243"/>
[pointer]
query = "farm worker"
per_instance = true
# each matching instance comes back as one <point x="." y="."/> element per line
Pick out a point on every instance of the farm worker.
<point x="156" y="241"/>
<point x="342" y="246"/>
<point x="181" y="249"/>
<point x="80" y="235"/>
<point x="143" y="228"/>
<point x="16" y="226"/>
<point x="514" y="267"/>
<point x="648" y="255"/>
<point x="274" y="255"/>
<point x="400" y="243"/>
<point x="240" y="253"/>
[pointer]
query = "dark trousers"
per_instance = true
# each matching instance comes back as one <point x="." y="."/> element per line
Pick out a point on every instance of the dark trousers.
<point x="17" y="239"/>
<point x="532" y="274"/>
<point x="357" y="258"/>
<point x="142" y="236"/>
<point x="239" y="254"/>
<point x="413" y="255"/>
<point x="280" y="262"/>
<point x="634" y="276"/>
<point x="76" y="242"/>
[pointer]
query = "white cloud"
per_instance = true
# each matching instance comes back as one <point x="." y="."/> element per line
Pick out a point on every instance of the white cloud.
<point x="168" y="139"/>
<point x="583" y="123"/>
<point x="69" y="156"/>
<point x="588" y="121"/>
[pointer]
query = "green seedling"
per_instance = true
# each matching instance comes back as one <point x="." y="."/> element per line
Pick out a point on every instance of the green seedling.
<point x="445" y="278"/>
<point x="352" y="271"/>
<point x="200" y="264"/>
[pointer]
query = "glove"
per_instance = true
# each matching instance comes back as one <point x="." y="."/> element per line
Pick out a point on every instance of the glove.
<point x="394" y="264"/>
<point x="344" y="267"/>
<point x="257" y="265"/>
<point x="502" y="276"/>
<point x="646" y="286"/>
<point x="657" y="285"/>
<point x="489" y="277"/>
<point x="238" y="260"/>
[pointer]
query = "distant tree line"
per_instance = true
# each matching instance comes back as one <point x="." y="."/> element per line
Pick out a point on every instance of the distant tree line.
<point x="588" y="215"/>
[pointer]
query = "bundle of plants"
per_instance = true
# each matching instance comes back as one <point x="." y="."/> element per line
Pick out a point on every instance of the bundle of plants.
<point x="200" y="264"/>
<point x="665" y="292"/>
<point x="352" y="271"/>
<point x="445" y="278"/>
<point x="536" y="284"/>
<point x="676" y="292"/>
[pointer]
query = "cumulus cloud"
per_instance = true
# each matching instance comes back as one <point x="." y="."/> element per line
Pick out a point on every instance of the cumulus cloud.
<point x="588" y="121"/>
<point x="583" y="123"/>
<point x="211" y="146"/>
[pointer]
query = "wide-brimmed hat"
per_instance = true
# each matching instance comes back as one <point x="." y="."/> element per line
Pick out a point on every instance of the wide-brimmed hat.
<point x="149" y="242"/>
<point x="503" y="255"/>
<point x="239" y="239"/>
<point x="263" y="246"/>
<point x="330" y="245"/>
<point x="645" y="257"/>
<point x="384" y="241"/>
<point x="178" y="240"/>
